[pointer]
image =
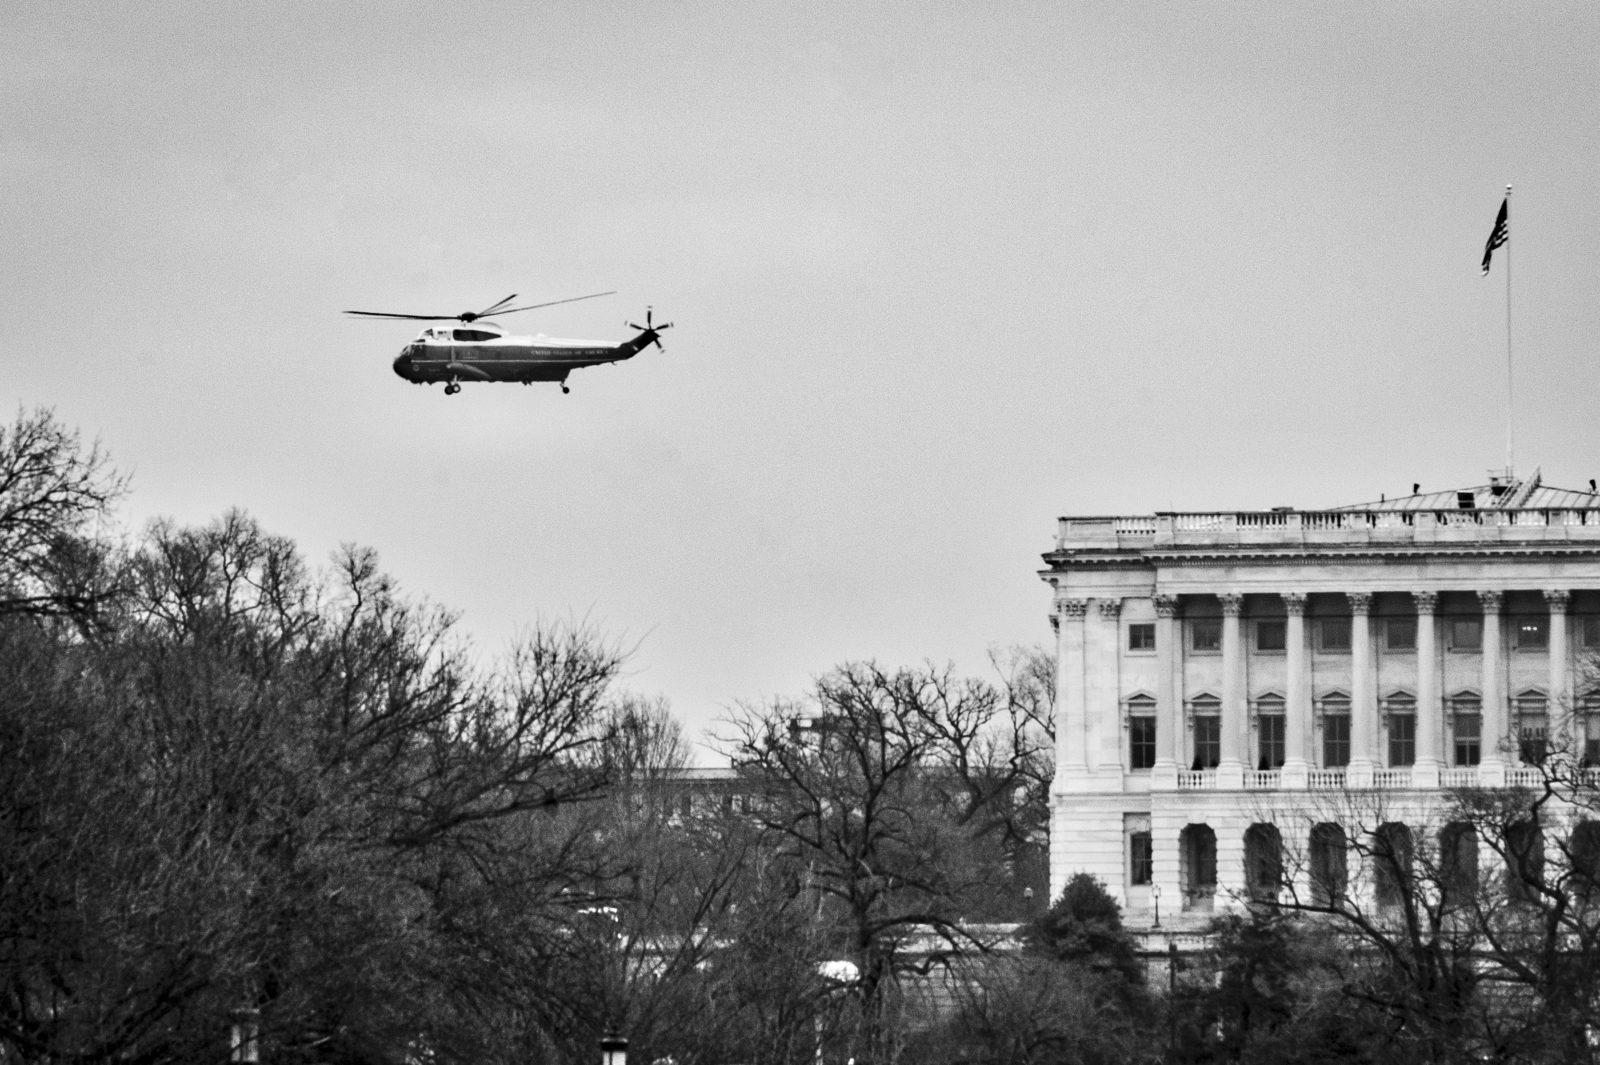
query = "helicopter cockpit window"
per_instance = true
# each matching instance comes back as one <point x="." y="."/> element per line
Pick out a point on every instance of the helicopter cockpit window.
<point x="474" y="334"/>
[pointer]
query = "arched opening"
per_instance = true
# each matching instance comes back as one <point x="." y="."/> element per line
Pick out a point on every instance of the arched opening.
<point x="1458" y="865"/>
<point x="1391" y="864"/>
<point x="1524" y="861"/>
<point x="1329" y="865"/>
<point x="1263" y="862"/>
<point x="1586" y="860"/>
<point x="1197" y="851"/>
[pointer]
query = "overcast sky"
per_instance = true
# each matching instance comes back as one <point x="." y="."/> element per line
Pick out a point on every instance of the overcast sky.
<point x="940" y="273"/>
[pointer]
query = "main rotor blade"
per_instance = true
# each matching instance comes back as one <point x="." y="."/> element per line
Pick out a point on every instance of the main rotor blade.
<point x="417" y="317"/>
<point x="552" y="303"/>
<point x="494" y="307"/>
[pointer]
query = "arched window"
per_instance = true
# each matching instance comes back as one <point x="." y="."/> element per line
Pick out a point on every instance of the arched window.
<point x="1391" y="864"/>
<point x="1329" y="865"/>
<point x="1263" y="862"/>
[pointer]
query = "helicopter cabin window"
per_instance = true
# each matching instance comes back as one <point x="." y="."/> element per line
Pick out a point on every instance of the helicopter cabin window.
<point x="474" y="334"/>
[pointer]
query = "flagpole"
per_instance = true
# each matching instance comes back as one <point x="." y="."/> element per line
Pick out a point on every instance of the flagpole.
<point x="1510" y="408"/>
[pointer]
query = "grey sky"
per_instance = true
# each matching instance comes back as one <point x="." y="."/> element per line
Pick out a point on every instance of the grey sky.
<point x="939" y="272"/>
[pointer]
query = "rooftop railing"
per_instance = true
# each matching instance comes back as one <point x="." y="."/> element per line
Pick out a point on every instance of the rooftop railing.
<point x="1326" y="526"/>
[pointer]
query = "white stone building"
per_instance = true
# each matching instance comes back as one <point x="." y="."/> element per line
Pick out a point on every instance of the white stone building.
<point x="1220" y="673"/>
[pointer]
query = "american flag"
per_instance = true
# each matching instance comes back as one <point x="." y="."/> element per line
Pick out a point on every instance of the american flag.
<point x="1499" y="236"/>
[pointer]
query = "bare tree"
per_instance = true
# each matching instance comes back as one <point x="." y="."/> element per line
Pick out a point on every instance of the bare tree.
<point x="260" y="787"/>
<point x="878" y="790"/>
<point x="1477" y="917"/>
<point x="54" y="492"/>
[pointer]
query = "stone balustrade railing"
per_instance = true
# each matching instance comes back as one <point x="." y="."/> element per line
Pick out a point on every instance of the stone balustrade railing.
<point x="1326" y="526"/>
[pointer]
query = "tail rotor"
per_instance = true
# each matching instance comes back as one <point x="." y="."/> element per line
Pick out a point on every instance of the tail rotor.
<point x="651" y="331"/>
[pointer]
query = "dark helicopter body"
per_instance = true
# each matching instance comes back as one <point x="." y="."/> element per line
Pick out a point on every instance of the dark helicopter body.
<point x="478" y="350"/>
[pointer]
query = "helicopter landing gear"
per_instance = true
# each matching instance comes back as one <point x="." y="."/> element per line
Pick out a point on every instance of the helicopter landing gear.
<point x="451" y="389"/>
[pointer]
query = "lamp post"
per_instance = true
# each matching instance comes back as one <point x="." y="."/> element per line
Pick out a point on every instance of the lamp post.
<point x="1155" y="895"/>
<point x="613" y="1050"/>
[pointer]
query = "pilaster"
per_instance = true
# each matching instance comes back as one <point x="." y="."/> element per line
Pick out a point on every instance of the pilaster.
<point x="1071" y="706"/>
<point x="1102" y="687"/>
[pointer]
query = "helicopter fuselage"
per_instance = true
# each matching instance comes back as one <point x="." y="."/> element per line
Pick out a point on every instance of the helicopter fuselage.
<point x="480" y="352"/>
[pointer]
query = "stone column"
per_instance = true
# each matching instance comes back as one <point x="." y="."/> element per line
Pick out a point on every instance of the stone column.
<point x="1430" y="708"/>
<point x="1230" y="768"/>
<point x="1103" y="723"/>
<point x="1561" y="720"/>
<point x="1072" y="756"/>
<point x="1169" y="714"/>
<point x="1363" y="693"/>
<point x="1495" y="727"/>
<point x="1297" y="697"/>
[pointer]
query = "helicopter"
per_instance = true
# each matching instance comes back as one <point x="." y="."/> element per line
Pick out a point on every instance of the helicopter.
<point x="478" y="350"/>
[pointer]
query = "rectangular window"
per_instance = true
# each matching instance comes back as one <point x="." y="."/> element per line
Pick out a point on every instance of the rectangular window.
<point x="1468" y="745"/>
<point x="1142" y="636"/>
<point x="1141" y="741"/>
<point x="1532" y="633"/>
<point x="1270" y="635"/>
<point x="1589" y="631"/>
<point x="1272" y="741"/>
<point x="1591" y="743"/>
<point x="1466" y="634"/>
<point x="1141" y="859"/>
<point x="1400" y="634"/>
<point x="1207" y="741"/>
<point x="1402" y="739"/>
<point x="1335" y="741"/>
<point x="1205" y="635"/>
<point x="1333" y="634"/>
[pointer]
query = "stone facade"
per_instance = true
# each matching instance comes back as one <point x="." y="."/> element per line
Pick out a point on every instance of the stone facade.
<point x="1218" y="674"/>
